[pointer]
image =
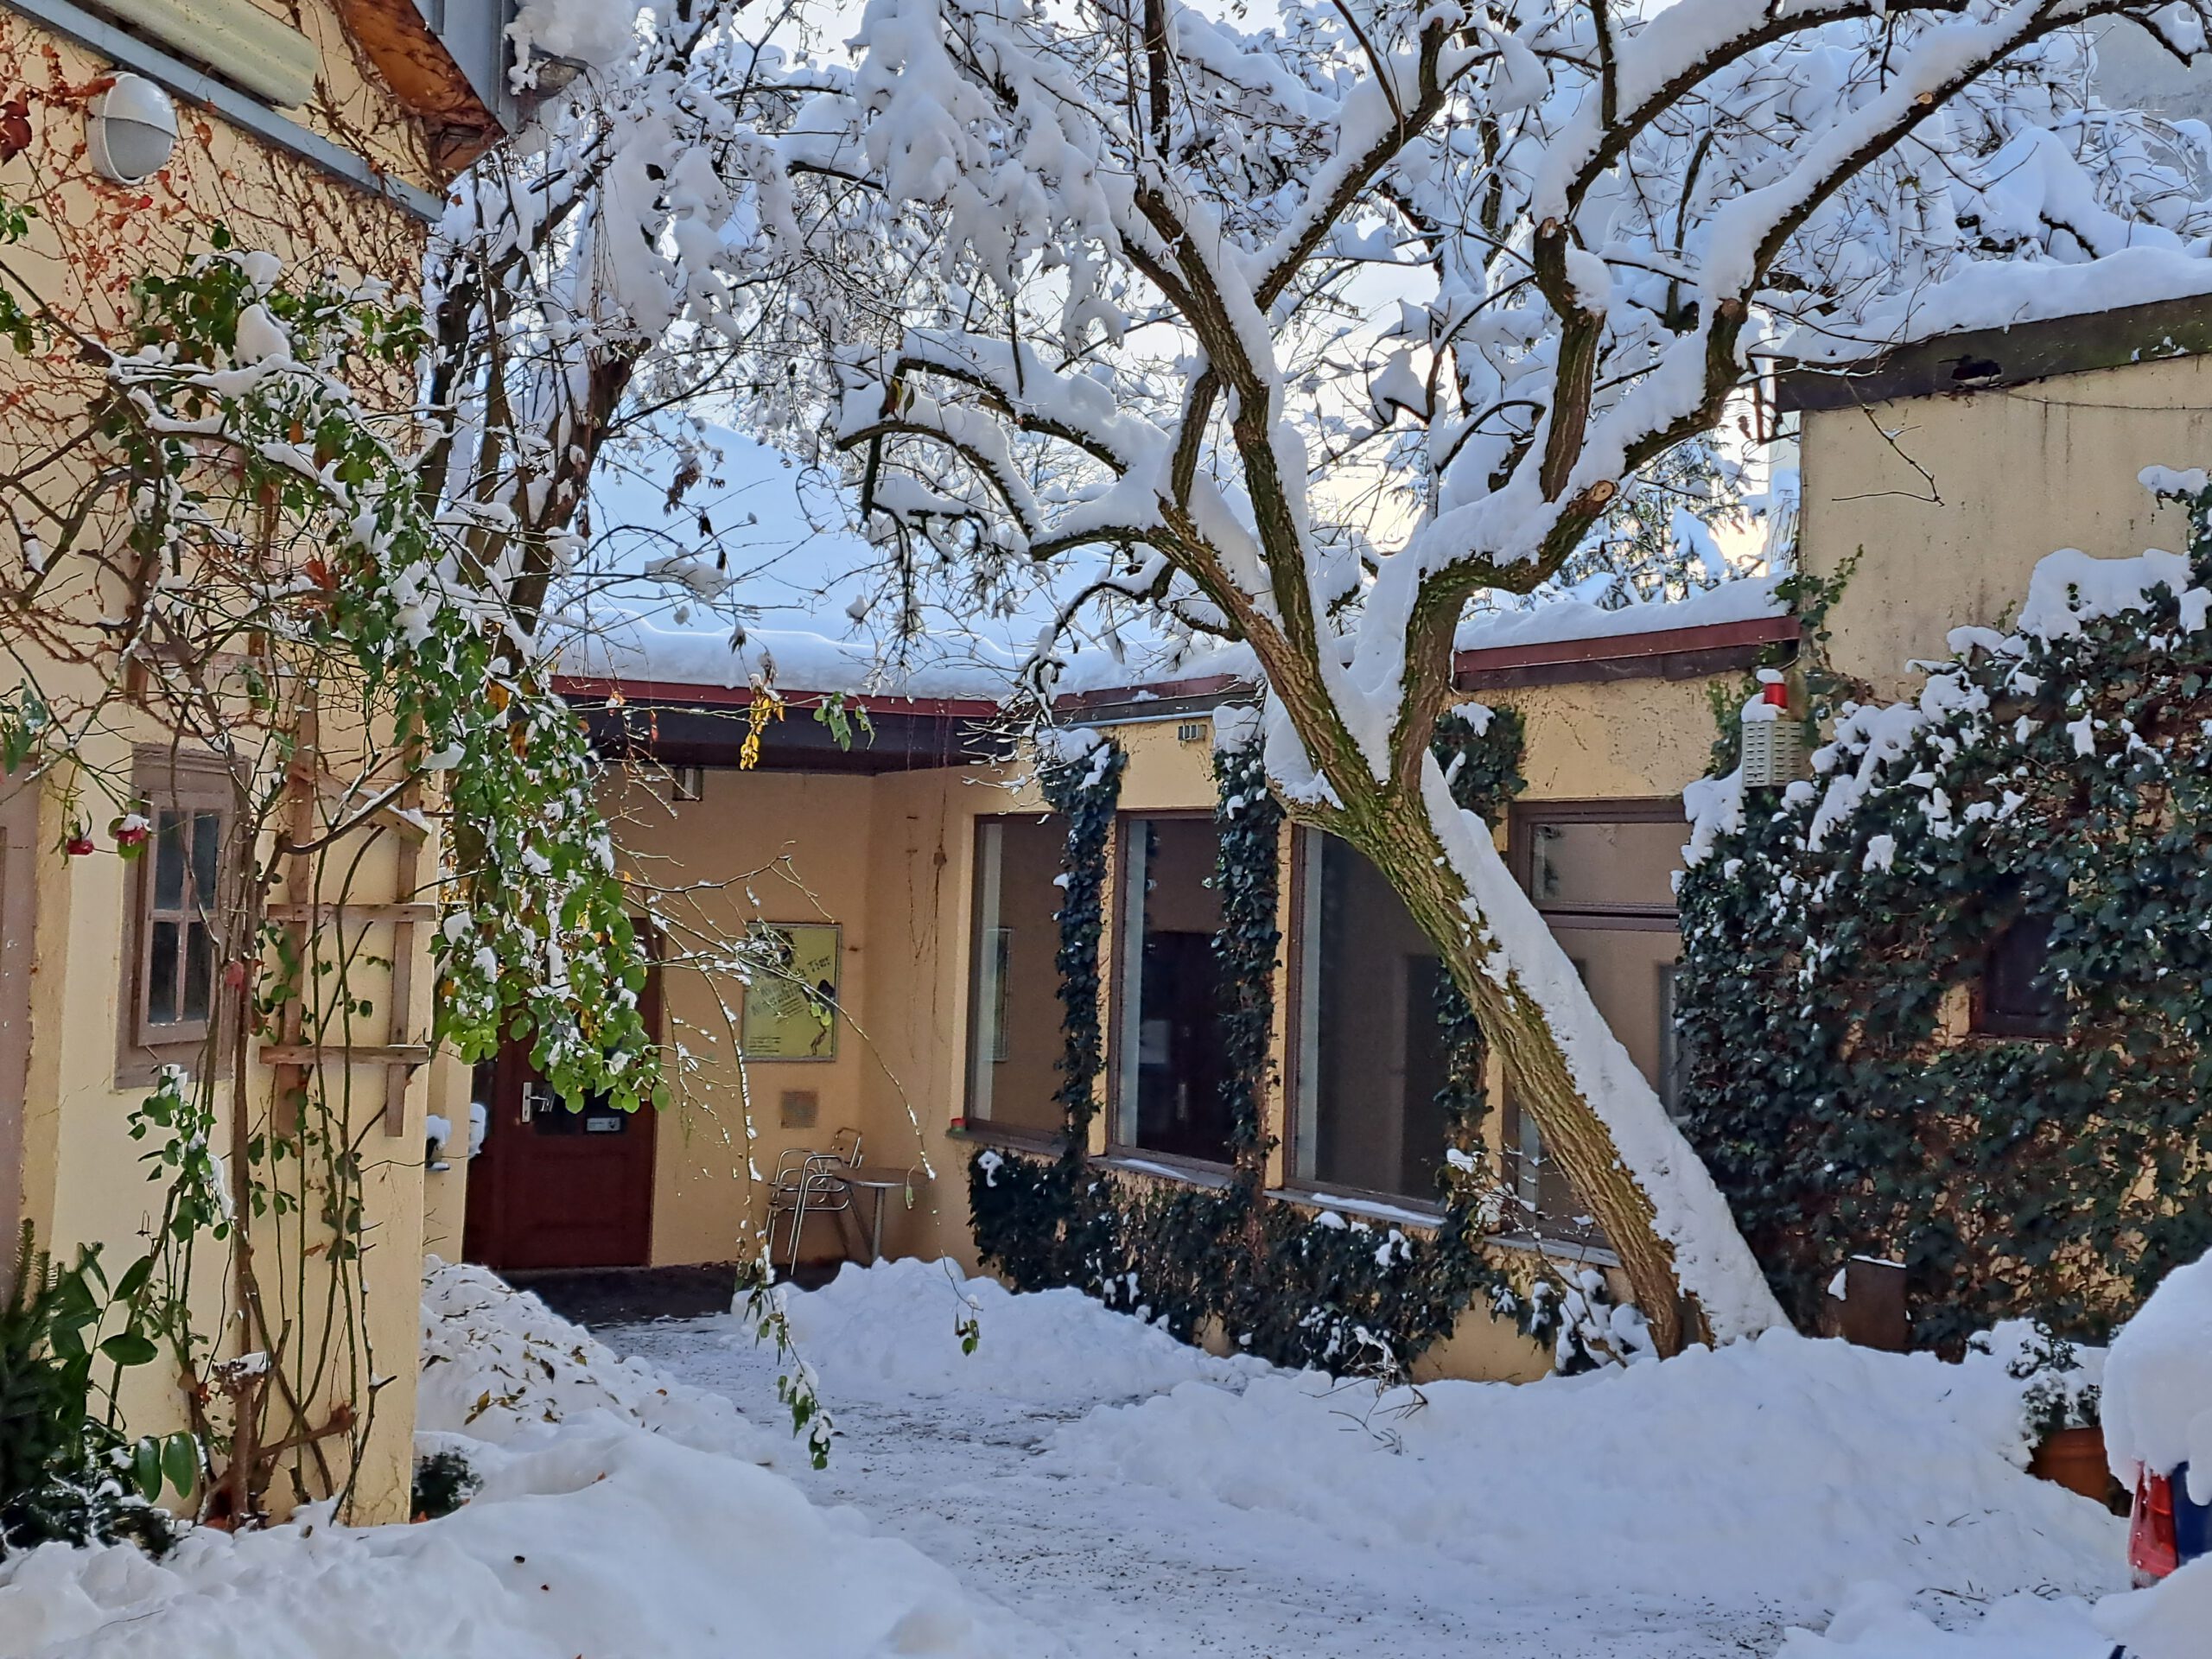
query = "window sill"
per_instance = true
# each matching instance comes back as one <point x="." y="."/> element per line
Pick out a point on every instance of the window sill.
<point x="984" y="1133"/>
<point x="1369" y="1206"/>
<point x="1553" y="1248"/>
<point x="1191" y="1171"/>
<point x="1408" y="1212"/>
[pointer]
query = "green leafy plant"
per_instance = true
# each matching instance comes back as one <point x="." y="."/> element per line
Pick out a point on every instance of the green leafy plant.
<point x="2057" y="1396"/>
<point x="1835" y="937"/>
<point x="444" y="1481"/>
<point x="67" y="1473"/>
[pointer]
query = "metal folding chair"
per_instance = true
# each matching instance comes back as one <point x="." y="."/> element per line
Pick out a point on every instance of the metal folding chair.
<point x="810" y="1183"/>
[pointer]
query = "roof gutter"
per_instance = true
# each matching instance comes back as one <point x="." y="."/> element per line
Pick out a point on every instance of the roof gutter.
<point x="195" y="85"/>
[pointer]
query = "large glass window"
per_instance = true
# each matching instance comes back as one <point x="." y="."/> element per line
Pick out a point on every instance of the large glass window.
<point x="1169" y="1061"/>
<point x="1013" y="1024"/>
<point x="1371" y="1058"/>
<point x="1602" y="872"/>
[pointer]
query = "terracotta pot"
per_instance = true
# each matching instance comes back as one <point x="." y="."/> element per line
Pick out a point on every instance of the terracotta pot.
<point x="2074" y="1459"/>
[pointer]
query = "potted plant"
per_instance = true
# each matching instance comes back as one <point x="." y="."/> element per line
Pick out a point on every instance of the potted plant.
<point x="2062" y="1405"/>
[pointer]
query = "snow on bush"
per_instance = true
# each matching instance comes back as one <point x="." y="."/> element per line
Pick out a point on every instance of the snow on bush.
<point x="599" y="1541"/>
<point x="2167" y="1622"/>
<point x="893" y="1329"/>
<point x="497" y="1361"/>
<point x="2158" y="1385"/>
<point x="1767" y="1475"/>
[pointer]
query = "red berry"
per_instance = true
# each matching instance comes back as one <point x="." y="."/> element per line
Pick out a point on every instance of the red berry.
<point x="78" y="846"/>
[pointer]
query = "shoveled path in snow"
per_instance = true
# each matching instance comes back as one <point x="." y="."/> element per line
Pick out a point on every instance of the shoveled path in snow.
<point x="1104" y="1569"/>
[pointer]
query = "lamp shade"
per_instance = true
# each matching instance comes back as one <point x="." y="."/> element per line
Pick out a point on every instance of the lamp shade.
<point x="131" y="130"/>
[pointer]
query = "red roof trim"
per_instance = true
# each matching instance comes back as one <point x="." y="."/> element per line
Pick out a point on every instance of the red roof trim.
<point x="740" y="696"/>
<point x="1626" y="647"/>
<point x="1160" y="690"/>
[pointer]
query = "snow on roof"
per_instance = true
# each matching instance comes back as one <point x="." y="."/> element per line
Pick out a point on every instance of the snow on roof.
<point x="2004" y="295"/>
<point x="1745" y="600"/>
<point x="640" y="648"/>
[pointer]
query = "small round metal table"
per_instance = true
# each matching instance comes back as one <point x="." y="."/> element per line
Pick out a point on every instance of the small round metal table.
<point x="883" y="1186"/>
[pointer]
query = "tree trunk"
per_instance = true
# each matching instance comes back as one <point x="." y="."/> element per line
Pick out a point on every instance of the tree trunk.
<point x="1694" y="1277"/>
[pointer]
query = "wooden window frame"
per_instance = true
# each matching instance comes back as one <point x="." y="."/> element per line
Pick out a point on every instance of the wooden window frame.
<point x="1985" y="1022"/>
<point x="168" y="779"/>
<point x="1523" y="818"/>
<point x="1121" y="990"/>
<point x="979" y="1123"/>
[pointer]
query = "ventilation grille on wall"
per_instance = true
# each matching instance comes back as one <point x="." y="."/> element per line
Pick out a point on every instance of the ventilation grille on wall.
<point x="235" y="39"/>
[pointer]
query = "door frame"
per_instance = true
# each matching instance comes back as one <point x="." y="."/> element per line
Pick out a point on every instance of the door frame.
<point x="487" y="1222"/>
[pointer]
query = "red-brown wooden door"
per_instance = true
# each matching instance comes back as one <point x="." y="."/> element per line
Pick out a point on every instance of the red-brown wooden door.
<point x="556" y="1188"/>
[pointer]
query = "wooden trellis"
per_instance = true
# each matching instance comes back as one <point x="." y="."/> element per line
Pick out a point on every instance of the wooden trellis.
<point x="294" y="1051"/>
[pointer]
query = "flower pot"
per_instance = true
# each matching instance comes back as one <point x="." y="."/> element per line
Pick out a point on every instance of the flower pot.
<point x="2074" y="1458"/>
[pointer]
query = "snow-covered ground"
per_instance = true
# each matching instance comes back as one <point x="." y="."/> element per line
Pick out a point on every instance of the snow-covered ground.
<point x="1084" y="1486"/>
<point x="1129" y="1496"/>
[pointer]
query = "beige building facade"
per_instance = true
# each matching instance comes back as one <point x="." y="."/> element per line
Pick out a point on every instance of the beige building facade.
<point x="323" y="132"/>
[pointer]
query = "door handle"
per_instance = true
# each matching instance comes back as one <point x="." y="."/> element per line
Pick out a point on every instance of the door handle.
<point x="535" y="1097"/>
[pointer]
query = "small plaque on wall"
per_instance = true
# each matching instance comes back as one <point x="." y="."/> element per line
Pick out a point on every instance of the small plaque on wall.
<point x="791" y="1006"/>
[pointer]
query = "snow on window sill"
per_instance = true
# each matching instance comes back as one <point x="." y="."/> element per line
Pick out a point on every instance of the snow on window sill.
<point x="1406" y="1212"/>
<point x="1191" y="1171"/>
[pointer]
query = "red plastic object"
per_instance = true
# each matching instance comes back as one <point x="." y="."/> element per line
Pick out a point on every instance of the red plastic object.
<point x="2153" y="1548"/>
<point x="1776" y="694"/>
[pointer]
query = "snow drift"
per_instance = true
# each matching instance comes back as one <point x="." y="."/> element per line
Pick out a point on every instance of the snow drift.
<point x="1770" y="1474"/>
<point x="2157" y="1386"/>
<point x="621" y="1515"/>
<point x="496" y="1362"/>
<point x="892" y="1329"/>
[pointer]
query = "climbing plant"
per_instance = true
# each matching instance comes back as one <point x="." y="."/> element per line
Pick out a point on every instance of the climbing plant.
<point x="1278" y="1279"/>
<point x="1838" y="938"/>
<point x="1248" y="825"/>
<point x="1082" y="781"/>
<point x="235" y="551"/>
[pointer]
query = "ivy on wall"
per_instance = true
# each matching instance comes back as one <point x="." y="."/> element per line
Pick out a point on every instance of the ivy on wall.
<point x="1834" y="935"/>
<point x="1285" y="1283"/>
<point x="1248" y="825"/>
<point x="1082" y="780"/>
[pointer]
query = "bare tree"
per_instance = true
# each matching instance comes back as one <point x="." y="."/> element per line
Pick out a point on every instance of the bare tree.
<point x="1196" y="287"/>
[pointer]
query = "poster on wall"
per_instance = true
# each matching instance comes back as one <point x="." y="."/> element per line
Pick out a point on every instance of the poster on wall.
<point x="790" y="1007"/>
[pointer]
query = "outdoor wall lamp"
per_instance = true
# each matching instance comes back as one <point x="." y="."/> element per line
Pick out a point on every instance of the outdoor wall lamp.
<point x="131" y="130"/>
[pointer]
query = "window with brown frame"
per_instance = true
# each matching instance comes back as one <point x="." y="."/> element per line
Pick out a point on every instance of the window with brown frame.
<point x="1167" y="1055"/>
<point x="172" y="928"/>
<point x="2017" y="995"/>
<point x="1014" y="1041"/>
<point x="1601" y="872"/>
<point x="1369" y="1060"/>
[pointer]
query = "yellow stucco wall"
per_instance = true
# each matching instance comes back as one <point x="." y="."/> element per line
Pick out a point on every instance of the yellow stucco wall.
<point x="1626" y="740"/>
<point x="84" y="1180"/>
<point x="892" y="858"/>
<point x="1955" y="498"/>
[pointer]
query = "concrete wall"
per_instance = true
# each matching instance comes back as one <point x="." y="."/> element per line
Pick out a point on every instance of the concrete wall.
<point x="1953" y="499"/>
